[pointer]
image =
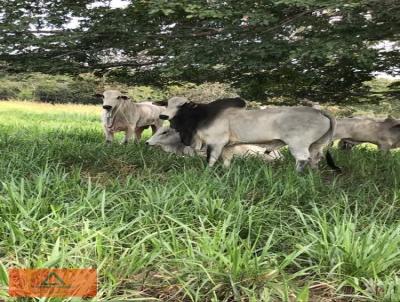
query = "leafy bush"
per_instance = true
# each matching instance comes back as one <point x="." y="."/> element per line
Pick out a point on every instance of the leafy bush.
<point x="81" y="89"/>
<point x="206" y="92"/>
<point x="9" y="90"/>
<point x="49" y="89"/>
<point x="52" y="93"/>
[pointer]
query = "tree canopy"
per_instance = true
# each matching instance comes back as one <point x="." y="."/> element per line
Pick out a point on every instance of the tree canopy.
<point x="318" y="49"/>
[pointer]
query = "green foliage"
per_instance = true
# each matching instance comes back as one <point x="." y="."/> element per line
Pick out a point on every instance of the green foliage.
<point x="341" y="246"/>
<point x="144" y="93"/>
<point x="51" y="92"/>
<point x="322" y="50"/>
<point x="205" y="92"/>
<point x="50" y="89"/>
<point x="63" y="89"/>
<point x="160" y="226"/>
<point x="81" y="89"/>
<point x="9" y="90"/>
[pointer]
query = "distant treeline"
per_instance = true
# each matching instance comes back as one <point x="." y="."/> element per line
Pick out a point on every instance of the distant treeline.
<point x="50" y="89"/>
<point x="81" y="89"/>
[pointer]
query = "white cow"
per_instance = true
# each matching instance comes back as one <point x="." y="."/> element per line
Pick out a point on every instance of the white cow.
<point x="121" y="114"/>
<point x="169" y="140"/>
<point x="306" y="131"/>
<point x="356" y="130"/>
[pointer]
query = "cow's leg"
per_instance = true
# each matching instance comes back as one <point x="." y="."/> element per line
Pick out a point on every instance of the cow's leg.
<point x="385" y="147"/>
<point x="128" y="135"/>
<point x="227" y="155"/>
<point x="213" y="153"/>
<point x="109" y="135"/>
<point x="315" y="157"/>
<point x="273" y="146"/>
<point x="316" y="153"/>
<point x="302" y="156"/>
<point x="154" y="129"/>
<point x="345" y="144"/>
<point x="138" y="133"/>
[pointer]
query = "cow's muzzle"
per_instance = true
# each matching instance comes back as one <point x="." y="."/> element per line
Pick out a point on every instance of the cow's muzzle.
<point x="107" y="107"/>
<point x="163" y="117"/>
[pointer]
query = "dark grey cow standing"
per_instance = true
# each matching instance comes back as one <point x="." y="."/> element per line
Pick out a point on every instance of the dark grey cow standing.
<point x="121" y="114"/>
<point x="306" y="131"/>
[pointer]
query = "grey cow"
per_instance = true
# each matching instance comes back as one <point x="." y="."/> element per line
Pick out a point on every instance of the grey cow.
<point x="306" y="131"/>
<point x="385" y="133"/>
<point x="121" y="114"/>
<point x="169" y="140"/>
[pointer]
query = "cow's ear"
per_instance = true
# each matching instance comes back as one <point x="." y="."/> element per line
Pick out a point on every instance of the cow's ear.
<point x="161" y="103"/>
<point x="99" y="95"/>
<point x="123" y="97"/>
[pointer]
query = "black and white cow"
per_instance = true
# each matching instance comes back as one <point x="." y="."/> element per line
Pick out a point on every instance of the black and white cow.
<point x="306" y="131"/>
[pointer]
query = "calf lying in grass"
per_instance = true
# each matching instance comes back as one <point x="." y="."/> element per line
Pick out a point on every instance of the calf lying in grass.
<point x="170" y="141"/>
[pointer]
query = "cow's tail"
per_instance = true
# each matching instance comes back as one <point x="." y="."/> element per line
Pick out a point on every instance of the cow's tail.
<point x="327" y="139"/>
<point x="331" y="163"/>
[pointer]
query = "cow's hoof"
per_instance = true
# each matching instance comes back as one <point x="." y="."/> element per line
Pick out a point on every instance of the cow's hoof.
<point x="301" y="165"/>
<point x="345" y="145"/>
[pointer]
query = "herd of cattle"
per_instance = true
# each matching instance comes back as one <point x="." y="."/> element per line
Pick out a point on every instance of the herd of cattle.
<point x="225" y="128"/>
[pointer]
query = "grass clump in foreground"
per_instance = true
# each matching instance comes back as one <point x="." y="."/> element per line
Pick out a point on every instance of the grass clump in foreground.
<point x="161" y="227"/>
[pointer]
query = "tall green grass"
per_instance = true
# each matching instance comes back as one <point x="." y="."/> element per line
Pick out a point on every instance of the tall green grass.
<point x="160" y="227"/>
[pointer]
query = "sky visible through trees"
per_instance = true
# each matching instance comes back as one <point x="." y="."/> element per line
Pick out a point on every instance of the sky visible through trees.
<point x="322" y="50"/>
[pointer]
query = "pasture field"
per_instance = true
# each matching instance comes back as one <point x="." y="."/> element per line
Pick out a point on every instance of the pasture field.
<point x="159" y="227"/>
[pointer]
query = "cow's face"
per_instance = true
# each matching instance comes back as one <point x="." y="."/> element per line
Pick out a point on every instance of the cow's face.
<point x="164" y="136"/>
<point x="173" y="106"/>
<point x="111" y="99"/>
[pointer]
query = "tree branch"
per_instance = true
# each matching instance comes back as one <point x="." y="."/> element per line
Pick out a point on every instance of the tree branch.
<point x="61" y="31"/>
<point x="123" y="64"/>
